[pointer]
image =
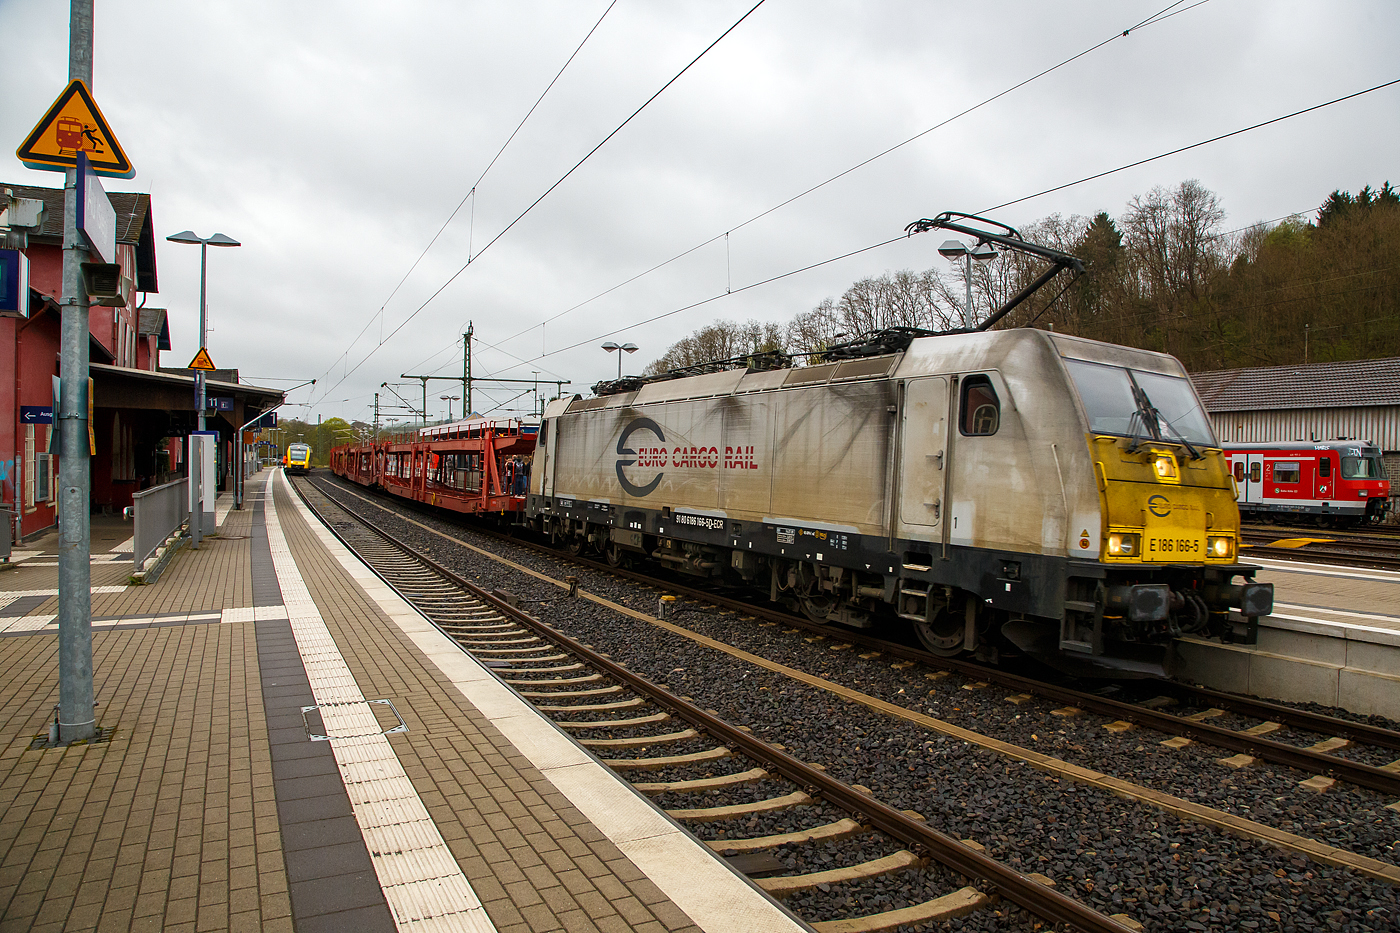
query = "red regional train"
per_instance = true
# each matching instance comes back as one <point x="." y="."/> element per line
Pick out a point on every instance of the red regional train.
<point x="1338" y="482"/>
<point x="478" y="466"/>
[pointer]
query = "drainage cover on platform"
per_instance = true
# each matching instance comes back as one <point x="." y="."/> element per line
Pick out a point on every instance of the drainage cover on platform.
<point x="352" y="720"/>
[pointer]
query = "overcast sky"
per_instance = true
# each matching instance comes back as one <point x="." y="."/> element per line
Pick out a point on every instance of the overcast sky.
<point x="335" y="139"/>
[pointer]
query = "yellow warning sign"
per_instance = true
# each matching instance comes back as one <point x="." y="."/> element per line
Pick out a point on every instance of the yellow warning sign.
<point x="201" y="360"/>
<point x="74" y="124"/>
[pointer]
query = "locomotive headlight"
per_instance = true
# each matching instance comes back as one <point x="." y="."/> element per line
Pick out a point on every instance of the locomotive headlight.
<point x="1166" y="467"/>
<point x="1123" y="544"/>
<point x="1220" y="546"/>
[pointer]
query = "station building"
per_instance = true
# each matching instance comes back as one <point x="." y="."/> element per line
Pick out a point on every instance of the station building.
<point x="1355" y="400"/>
<point x="140" y="413"/>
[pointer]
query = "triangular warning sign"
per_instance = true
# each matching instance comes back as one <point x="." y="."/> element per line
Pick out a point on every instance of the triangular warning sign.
<point x="72" y="125"/>
<point x="201" y="360"/>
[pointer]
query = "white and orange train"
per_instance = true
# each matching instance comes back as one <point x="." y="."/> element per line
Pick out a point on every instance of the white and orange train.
<point x="1339" y="482"/>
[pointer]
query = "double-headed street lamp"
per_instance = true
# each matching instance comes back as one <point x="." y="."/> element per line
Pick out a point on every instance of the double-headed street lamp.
<point x="953" y="250"/>
<point x="628" y="347"/>
<point x="217" y="239"/>
<point x="449" y="399"/>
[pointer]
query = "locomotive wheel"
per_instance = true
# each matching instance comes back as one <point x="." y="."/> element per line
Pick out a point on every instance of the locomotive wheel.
<point x="816" y="608"/>
<point x="944" y="635"/>
<point x="617" y="557"/>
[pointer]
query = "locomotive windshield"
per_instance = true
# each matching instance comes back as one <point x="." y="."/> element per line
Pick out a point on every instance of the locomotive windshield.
<point x="1362" y="468"/>
<point x="1134" y="403"/>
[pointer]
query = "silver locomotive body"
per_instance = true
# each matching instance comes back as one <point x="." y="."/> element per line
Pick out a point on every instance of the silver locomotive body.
<point x="957" y="482"/>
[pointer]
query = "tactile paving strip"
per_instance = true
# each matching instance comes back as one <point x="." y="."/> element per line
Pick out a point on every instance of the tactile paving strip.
<point x="421" y="880"/>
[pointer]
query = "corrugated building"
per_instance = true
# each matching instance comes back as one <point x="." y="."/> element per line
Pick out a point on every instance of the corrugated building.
<point x="1355" y="400"/>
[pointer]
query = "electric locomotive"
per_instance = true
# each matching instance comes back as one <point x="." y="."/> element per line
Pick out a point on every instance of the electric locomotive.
<point x="993" y="488"/>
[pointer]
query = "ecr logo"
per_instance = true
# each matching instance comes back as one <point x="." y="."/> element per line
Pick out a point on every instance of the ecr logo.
<point x="1159" y="506"/>
<point x="640" y="424"/>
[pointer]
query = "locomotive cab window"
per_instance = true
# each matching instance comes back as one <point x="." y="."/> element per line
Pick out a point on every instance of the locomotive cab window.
<point x="1361" y="468"/>
<point x="981" y="410"/>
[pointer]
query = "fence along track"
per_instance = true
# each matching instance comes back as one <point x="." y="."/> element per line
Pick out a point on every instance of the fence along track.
<point x="513" y="643"/>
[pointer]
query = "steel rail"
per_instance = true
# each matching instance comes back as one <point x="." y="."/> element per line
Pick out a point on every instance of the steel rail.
<point x="1331" y="558"/>
<point x="1043" y="901"/>
<point x="1358" y="773"/>
<point x="1287" y="715"/>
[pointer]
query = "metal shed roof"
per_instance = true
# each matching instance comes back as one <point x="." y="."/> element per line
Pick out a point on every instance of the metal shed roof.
<point x="1353" y="384"/>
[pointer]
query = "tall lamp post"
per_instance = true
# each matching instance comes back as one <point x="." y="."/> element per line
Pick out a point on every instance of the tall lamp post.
<point x="627" y="347"/>
<point x="449" y="399"/>
<point x="953" y="250"/>
<point x="217" y="239"/>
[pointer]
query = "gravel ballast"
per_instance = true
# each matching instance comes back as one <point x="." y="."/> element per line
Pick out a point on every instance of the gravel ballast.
<point x="1116" y="855"/>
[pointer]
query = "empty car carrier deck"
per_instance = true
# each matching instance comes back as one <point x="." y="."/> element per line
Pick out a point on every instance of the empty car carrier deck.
<point x="210" y="805"/>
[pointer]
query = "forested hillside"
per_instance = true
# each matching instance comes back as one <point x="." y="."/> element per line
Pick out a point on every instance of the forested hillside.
<point x="1164" y="275"/>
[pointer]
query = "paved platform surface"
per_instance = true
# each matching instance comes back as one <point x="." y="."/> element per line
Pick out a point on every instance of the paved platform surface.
<point x="1367" y="600"/>
<point x="207" y="806"/>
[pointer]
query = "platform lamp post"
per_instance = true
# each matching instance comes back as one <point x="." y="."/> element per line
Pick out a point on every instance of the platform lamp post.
<point x="217" y="239"/>
<point x="449" y="399"/>
<point x="627" y="347"/>
<point x="953" y="250"/>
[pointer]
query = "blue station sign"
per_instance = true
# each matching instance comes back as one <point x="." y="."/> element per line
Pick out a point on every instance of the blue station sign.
<point x="36" y="414"/>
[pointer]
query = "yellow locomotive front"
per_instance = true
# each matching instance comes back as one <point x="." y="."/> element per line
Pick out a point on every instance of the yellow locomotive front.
<point x="1168" y="545"/>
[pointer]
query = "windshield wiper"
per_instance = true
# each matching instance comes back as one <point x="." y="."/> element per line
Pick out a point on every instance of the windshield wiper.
<point x="1145" y="415"/>
<point x="1149" y="414"/>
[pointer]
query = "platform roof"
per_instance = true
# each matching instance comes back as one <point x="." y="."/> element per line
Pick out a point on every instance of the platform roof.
<point x="1352" y="384"/>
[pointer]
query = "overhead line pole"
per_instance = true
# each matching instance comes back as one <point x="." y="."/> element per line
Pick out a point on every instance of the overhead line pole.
<point x="467" y="370"/>
<point x="468" y="379"/>
<point x="77" y="719"/>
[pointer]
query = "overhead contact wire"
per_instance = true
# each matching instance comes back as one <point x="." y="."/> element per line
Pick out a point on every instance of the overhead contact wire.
<point x="472" y="190"/>
<point x="1204" y="142"/>
<point x="1150" y="21"/>
<point x="533" y="204"/>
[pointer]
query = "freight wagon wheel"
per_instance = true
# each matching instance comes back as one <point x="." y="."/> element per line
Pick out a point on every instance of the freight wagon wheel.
<point x="944" y="635"/>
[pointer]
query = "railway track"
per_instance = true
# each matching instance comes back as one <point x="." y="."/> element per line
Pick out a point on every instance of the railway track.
<point x="1373" y="546"/>
<point x="1258" y="718"/>
<point x="631" y="724"/>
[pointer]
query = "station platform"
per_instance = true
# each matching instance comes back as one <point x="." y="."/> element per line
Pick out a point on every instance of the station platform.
<point x="212" y="802"/>
<point x="1333" y="638"/>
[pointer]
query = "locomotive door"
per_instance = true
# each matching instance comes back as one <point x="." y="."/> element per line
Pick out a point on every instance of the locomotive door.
<point x="1322" y="476"/>
<point x="544" y="456"/>
<point x="923" y="446"/>
<point x="1252" y="489"/>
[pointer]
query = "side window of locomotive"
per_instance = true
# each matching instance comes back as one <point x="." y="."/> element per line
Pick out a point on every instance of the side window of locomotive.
<point x="981" y="410"/>
<point x="1324" y="468"/>
<point x="1287" y="472"/>
<point x="1254" y="472"/>
<point x="1239" y="471"/>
